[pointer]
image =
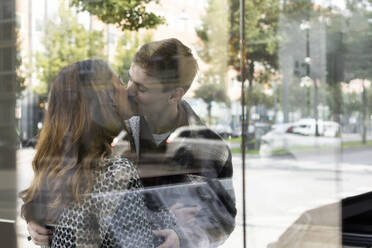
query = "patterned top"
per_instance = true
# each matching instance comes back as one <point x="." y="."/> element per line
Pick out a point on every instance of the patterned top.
<point x="113" y="215"/>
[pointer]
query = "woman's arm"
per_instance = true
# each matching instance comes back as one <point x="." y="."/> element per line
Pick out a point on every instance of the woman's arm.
<point x="121" y="215"/>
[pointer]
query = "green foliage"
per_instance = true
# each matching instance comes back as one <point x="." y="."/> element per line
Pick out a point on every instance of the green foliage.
<point x="261" y="42"/>
<point x="261" y="24"/>
<point x="214" y="35"/>
<point x="221" y="44"/>
<point x="127" y="15"/>
<point x="211" y="90"/>
<point x="65" y="41"/>
<point x="258" y="97"/>
<point x="353" y="104"/>
<point x="127" y="46"/>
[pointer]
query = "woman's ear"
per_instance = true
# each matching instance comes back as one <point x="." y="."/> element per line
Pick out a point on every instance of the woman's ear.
<point x="176" y="95"/>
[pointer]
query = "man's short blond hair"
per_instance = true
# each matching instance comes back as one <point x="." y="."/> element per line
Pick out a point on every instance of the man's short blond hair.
<point x="168" y="60"/>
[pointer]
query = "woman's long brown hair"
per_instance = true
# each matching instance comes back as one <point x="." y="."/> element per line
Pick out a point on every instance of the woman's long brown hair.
<point x="80" y="123"/>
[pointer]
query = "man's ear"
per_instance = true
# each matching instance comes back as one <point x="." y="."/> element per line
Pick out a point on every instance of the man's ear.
<point x="176" y="95"/>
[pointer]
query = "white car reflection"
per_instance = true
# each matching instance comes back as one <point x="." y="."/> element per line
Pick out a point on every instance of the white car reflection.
<point x="194" y="143"/>
<point x="287" y="137"/>
<point x="120" y="143"/>
<point x="308" y="127"/>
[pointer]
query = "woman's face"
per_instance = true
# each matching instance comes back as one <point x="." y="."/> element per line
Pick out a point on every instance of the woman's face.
<point x="125" y="108"/>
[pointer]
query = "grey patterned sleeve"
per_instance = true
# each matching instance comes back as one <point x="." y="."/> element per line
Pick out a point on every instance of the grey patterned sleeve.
<point x="122" y="216"/>
<point x="112" y="215"/>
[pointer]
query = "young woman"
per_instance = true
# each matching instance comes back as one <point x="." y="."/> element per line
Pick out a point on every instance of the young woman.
<point x="90" y="198"/>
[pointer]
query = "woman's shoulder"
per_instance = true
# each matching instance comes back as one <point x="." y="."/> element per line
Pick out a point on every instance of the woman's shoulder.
<point x="117" y="163"/>
<point x="118" y="173"/>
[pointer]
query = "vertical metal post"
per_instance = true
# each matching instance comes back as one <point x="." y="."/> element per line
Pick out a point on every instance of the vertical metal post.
<point x="244" y="126"/>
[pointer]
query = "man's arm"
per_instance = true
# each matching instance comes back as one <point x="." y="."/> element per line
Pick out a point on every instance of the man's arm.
<point x="227" y="169"/>
<point x="224" y="188"/>
<point x="219" y="179"/>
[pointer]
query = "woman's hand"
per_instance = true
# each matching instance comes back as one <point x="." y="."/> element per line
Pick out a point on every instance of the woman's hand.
<point x="39" y="235"/>
<point x="170" y="236"/>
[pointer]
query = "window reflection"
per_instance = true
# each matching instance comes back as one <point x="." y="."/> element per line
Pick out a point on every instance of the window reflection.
<point x="307" y="101"/>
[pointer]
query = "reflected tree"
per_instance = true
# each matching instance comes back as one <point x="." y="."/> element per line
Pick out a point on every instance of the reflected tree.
<point x="262" y="93"/>
<point x="65" y="41"/>
<point x="261" y="40"/>
<point x="261" y="34"/>
<point x="125" y="51"/>
<point x="353" y="104"/>
<point x="127" y="15"/>
<point x="214" y="51"/>
<point x="210" y="90"/>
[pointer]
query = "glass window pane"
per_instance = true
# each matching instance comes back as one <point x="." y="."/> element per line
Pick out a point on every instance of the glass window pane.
<point x="101" y="99"/>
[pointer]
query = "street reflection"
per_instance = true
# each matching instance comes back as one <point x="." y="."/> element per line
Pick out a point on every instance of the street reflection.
<point x="307" y="76"/>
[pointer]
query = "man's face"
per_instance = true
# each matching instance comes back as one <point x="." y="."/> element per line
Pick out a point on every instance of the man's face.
<point x="147" y="92"/>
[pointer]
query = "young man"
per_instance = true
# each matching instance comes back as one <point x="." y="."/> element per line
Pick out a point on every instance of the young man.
<point x="160" y="74"/>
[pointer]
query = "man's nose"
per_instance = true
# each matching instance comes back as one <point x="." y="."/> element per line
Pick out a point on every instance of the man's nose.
<point x="131" y="88"/>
